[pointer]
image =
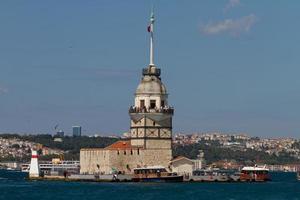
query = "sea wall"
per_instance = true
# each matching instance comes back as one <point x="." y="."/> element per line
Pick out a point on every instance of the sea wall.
<point x="105" y="161"/>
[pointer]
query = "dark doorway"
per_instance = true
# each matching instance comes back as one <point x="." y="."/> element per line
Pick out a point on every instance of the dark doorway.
<point x="142" y="103"/>
<point x="152" y="104"/>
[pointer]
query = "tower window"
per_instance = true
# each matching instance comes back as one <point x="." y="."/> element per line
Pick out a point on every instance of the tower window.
<point x="152" y="104"/>
<point x="142" y="103"/>
<point x="138" y="151"/>
<point x="162" y="103"/>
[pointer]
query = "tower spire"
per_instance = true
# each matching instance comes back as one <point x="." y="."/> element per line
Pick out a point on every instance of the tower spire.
<point x="150" y="30"/>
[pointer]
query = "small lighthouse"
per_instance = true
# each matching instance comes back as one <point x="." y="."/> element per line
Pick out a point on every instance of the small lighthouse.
<point x="34" y="171"/>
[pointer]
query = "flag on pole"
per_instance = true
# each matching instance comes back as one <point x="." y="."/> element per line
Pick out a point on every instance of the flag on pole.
<point x="150" y="26"/>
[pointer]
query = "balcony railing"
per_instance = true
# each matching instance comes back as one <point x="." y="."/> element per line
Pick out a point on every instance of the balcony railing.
<point x="151" y="71"/>
<point x="167" y="110"/>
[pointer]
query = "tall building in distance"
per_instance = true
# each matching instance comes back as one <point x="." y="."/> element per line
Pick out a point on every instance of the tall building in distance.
<point x="76" y="131"/>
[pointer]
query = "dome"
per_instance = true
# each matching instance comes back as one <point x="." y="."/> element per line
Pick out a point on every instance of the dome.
<point x="151" y="85"/>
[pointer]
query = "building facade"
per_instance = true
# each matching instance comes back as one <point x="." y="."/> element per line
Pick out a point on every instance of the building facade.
<point x="185" y="166"/>
<point x="150" y="140"/>
<point x="76" y="131"/>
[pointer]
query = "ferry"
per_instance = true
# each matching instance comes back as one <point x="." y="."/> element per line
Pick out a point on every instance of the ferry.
<point x="55" y="167"/>
<point x="154" y="174"/>
<point x="208" y="175"/>
<point x="256" y="174"/>
<point x="235" y="177"/>
<point x="25" y="167"/>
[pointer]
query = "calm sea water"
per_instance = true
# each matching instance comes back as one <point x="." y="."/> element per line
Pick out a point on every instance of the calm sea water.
<point x="14" y="186"/>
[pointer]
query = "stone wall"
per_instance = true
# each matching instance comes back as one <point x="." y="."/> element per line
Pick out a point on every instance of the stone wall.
<point x="158" y="143"/>
<point x="90" y="158"/>
<point x="121" y="160"/>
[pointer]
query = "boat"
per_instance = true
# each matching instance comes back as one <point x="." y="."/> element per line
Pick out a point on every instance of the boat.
<point x="298" y="175"/>
<point x="256" y="174"/>
<point x="155" y="174"/>
<point x="209" y="175"/>
<point x="235" y="177"/>
<point x="55" y="167"/>
<point x="25" y="167"/>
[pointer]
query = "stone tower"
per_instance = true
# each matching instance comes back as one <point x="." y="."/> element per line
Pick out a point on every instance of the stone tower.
<point x="151" y="115"/>
<point x="150" y="142"/>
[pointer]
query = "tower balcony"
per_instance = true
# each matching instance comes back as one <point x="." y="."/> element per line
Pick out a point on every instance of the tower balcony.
<point x="151" y="71"/>
<point x="166" y="110"/>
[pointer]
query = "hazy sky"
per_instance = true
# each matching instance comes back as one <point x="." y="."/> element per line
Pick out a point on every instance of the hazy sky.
<point x="229" y="65"/>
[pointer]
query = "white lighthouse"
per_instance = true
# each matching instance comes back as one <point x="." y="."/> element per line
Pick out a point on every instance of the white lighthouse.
<point x="34" y="171"/>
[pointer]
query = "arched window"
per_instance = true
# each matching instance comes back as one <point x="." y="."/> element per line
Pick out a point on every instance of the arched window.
<point x="152" y="104"/>
<point x="162" y="103"/>
<point x="142" y="103"/>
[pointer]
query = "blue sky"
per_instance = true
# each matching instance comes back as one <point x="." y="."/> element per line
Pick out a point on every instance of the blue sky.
<point x="229" y="65"/>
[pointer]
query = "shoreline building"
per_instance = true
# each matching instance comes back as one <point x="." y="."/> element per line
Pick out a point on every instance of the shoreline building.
<point x="150" y="140"/>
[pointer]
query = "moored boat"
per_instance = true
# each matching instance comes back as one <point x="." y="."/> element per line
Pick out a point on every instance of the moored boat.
<point x="25" y="167"/>
<point x="298" y="175"/>
<point x="210" y="176"/>
<point x="55" y="167"/>
<point x="256" y="174"/>
<point x="155" y="174"/>
<point x="235" y="177"/>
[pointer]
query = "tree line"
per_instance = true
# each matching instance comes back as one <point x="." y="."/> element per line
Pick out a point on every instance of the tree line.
<point x="213" y="151"/>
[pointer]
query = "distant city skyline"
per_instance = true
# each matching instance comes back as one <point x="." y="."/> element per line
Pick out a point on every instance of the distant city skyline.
<point x="229" y="66"/>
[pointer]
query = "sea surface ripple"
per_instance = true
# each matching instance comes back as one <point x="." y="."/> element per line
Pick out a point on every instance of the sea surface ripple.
<point x="13" y="185"/>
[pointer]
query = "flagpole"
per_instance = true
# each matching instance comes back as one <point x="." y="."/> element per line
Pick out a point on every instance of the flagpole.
<point x="151" y="39"/>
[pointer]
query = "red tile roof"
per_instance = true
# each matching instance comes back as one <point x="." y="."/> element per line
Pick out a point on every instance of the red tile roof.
<point x="120" y="145"/>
